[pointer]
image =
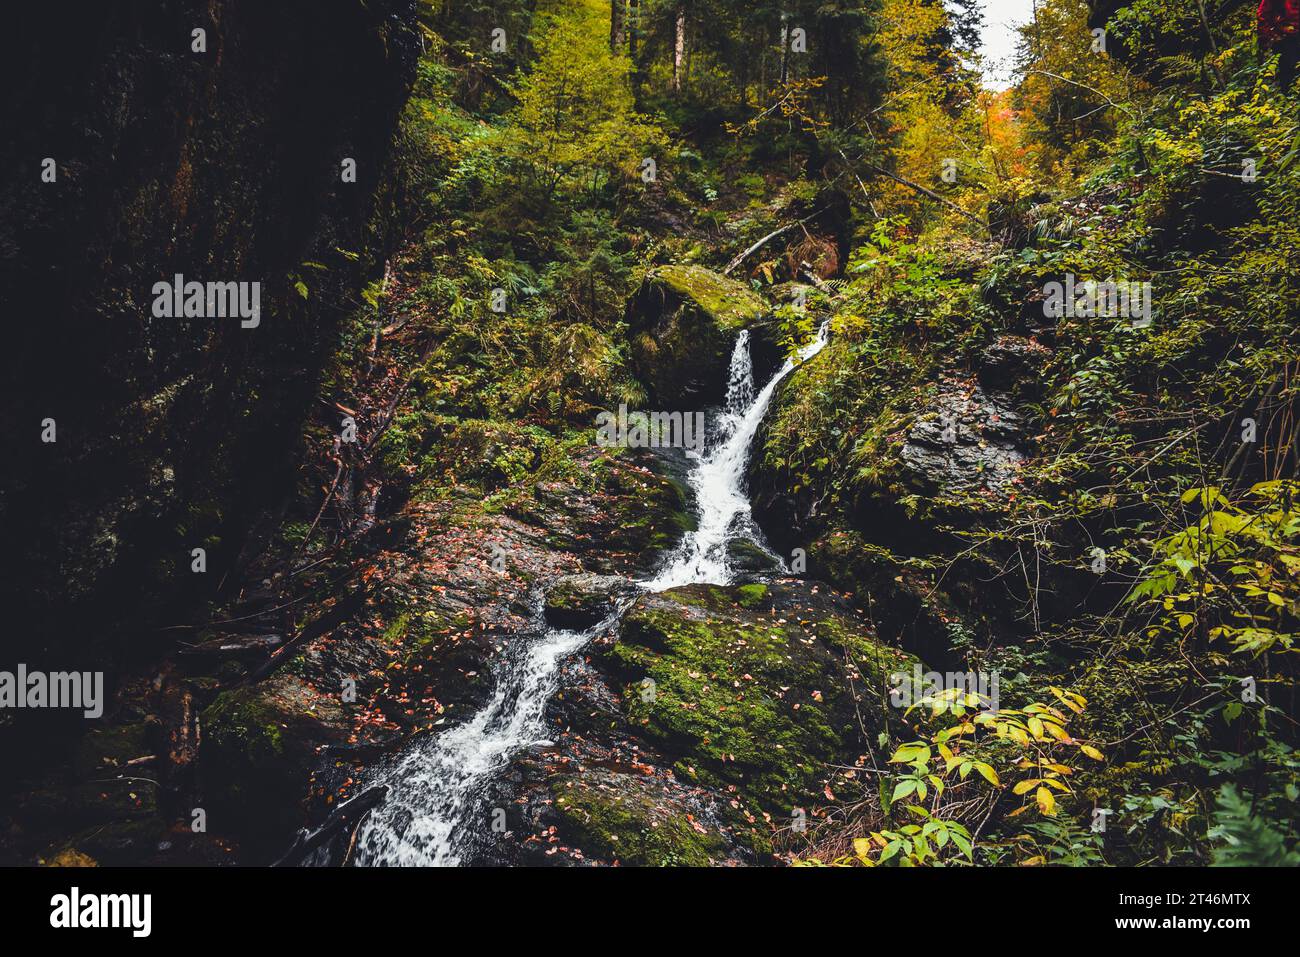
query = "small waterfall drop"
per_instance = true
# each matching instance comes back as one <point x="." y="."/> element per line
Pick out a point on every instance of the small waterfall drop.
<point x="437" y="786"/>
<point x="718" y="478"/>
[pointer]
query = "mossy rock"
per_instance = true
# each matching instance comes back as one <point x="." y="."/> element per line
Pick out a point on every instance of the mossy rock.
<point x="751" y="596"/>
<point x="754" y="686"/>
<point x="624" y="823"/>
<point x="259" y="748"/>
<point x="745" y="556"/>
<point x="650" y="514"/>
<point x="920" y="605"/>
<point x="581" y="601"/>
<point x="683" y="325"/>
<point x="732" y="304"/>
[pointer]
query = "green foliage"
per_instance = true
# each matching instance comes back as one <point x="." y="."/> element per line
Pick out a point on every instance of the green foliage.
<point x="1249" y="840"/>
<point x="1235" y="574"/>
<point x="576" y="124"/>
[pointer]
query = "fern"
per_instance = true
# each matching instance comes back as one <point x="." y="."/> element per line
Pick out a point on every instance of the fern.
<point x="1249" y="839"/>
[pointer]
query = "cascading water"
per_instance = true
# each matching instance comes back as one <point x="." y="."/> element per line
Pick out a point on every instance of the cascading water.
<point x="435" y="788"/>
<point x="718" y="478"/>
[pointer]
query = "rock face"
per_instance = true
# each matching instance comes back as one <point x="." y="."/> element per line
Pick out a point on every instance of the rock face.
<point x="930" y="466"/>
<point x="581" y="601"/>
<point x="692" y="733"/>
<point x="1013" y="365"/>
<point x="222" y="164"/>
<point x="683" y="324"/>
<point x="966" y="441"/>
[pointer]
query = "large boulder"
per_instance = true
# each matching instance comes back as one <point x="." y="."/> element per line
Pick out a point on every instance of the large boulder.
<point x="966" y="442"/>
<point x="757" y="689"/>
<point x="683" y="324"/>
<point x="699" y="728"/>
<point x="583" y="601"/>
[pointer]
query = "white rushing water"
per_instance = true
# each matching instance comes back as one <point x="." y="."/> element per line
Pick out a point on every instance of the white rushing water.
<point x="436" y="787"/>
<point x="432" y="788"/>
<point x="718" y="478"/>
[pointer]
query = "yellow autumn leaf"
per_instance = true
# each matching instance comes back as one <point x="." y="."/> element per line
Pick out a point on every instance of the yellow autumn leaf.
<point x="1046" y="801"/>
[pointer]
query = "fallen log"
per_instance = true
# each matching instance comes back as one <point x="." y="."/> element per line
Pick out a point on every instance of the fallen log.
<point x="759" y="245"/>
<point x="346" y="816"/>
<point x="232" y="646"/>
<point x="924" y="191"/>
<point x="343" y="609"/>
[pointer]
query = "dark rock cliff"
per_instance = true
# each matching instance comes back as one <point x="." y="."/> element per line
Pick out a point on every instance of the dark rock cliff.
<point x="223" y="165"/>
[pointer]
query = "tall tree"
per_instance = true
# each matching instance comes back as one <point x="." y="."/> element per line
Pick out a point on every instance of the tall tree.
<point x="679" y="49"/>
<point x="617" y="19"/>
<point x="576" y="124"/>
<point x="966" y="22"/>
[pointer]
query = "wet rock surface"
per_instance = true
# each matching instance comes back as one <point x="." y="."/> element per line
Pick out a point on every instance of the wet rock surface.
<point x="929" y="468"/>
<point x="578" y="602"/>
<point x="691" y="732"/>
<point x="746" y="557"/>
<point x="965" y="441"/>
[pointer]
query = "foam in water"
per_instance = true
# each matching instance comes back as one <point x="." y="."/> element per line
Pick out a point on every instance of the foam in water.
<point x="436" y="789"/>
<point x="436" y="786"/>
<point x="718" y="478"/>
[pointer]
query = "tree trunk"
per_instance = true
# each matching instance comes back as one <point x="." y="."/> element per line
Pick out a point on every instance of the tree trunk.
<point x="617" y="18"/>
<point x="785" y="50"/>
<point x="679" y="51"/>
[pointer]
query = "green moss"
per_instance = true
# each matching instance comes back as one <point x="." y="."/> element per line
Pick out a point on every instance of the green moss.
<point x="751" y="596"/>
<point x="732" y="304"/>
<point x="245" y="719"/>
<point x="744" y="699"/>
<point x="850" y="562"/>
<point x="396" y="631"/>
<point x="260" y="745"/>
<point x="652" y="514"/>
<point x="417" y="631"/>
<point x="630" y="828"/>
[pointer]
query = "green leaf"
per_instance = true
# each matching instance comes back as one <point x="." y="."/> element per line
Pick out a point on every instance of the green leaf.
<point x="903" y="789"/>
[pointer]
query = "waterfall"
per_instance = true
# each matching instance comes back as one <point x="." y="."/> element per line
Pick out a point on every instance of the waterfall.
<point x="437" y="788"/>
<point x="718" y="478"/>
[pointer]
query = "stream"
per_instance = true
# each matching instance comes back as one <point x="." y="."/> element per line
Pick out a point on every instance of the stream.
<point x="436" y="785"/>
